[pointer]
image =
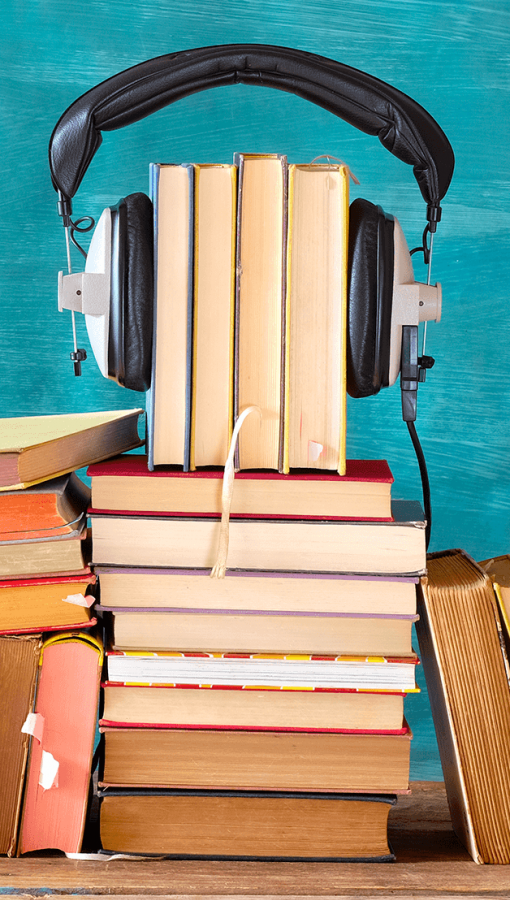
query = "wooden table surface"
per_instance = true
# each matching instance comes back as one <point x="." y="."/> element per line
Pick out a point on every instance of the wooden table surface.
<point x="430" y="863"/>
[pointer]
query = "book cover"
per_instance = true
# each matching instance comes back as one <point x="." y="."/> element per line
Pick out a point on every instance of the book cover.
<point x="213" y="314"/>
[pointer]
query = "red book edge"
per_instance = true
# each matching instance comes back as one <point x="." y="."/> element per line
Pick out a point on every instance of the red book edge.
<point x="88" y="623"/>
<point x="86" y="577"/>
<point x="107" y="724"/>
<point x="361" y="470"/>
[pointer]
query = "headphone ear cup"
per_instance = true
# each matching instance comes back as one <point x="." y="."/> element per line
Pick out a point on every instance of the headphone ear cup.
<point x="132" y="293"/>
<point x="370" y="296"/>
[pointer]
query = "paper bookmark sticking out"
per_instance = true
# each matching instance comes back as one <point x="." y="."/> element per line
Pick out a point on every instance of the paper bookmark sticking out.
<point x="79" y="599"/>
<point x="48" y="773"/>
<point x="34" y="726"/>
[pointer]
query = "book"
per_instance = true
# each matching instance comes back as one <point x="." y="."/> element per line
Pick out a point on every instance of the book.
<point x="396" y="547"/>
<point x="466" y="669"/>
<point x="260" y="308"/>
<point x="126" y="485"/>
<point x="498" y="569"/>
<point x="36" y="448"/>
<point x="247" y="825"/>
<point x="315" y="417"/>
<point x="213" y="314"/>
<point x="299" y="592"/>
<point x="19" y="656"/>
<point x="41" y="604"/>
<point x="169" y="398"/>
<point x="63" y="731"/>
<point x="248" y="670"/>
<point x="47" y="509"/>
<point x="259" y="632"/>
<point x="66" y="554"/>
<point x="231" y="706"/>
<point x="255" y="760"/>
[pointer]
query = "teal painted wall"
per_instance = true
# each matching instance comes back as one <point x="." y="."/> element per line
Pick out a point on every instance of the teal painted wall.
<point x="452" y="57"/>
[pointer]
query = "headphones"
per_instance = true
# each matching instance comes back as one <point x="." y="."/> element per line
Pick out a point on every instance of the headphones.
<point x="116" y="290"/>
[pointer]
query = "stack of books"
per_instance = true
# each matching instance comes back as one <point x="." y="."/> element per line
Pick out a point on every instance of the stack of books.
<point x="49" y="666"/>
<point x="259" y="714"/>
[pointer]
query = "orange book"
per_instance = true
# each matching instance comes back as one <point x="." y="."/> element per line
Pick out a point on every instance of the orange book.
<point x="63" y="730"/>
<point x="45" y="510"/>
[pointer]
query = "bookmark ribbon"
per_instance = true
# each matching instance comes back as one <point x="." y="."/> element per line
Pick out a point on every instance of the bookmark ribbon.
<point x="227" y="491"/>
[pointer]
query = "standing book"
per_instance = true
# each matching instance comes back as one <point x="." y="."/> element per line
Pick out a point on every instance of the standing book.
<point x="19" y="656"/>
<point x="260" y="308"/>
<point x="169" y="400"/>
<point x="467" y="674"/>
<point x="213" y="314"/>
<point x="63" y="729"/>
<point x="315" y="408"/>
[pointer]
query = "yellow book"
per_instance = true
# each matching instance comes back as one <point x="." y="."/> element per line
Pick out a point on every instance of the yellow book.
<point x="316" y="318"/>
<point x="213" y="314"/>
<point x="36" y="448"/>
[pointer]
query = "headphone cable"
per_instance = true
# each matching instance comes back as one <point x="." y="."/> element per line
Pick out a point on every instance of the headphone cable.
<point x="424" y="480"/>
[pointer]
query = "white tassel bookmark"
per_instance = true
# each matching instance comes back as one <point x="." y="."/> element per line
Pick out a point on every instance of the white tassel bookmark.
<point x="227" y="491"/>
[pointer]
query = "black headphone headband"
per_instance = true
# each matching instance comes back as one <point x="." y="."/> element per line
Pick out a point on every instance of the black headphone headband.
<point x="371" y="105"/>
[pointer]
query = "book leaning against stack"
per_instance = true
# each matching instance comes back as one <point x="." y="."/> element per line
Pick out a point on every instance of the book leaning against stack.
<point x="50" y="660"/>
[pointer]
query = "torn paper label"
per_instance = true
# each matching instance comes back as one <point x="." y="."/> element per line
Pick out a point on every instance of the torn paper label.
<point x="34" y="725"/>
<point x="314" y="450"/>
<point x="48" y="773"/>
<point x="80" y="599"/>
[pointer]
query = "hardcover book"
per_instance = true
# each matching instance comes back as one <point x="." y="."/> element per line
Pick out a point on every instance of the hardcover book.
<point x="256" y="760"/>
<point x="396" y="547"/>
<point x="247" y="825"/>
<point x="19" y="656"/>
<point x="36" y="448"/>
<point x="63" y="731"/>
<point x="169" y="398"/>
<point x="126" y="485"/>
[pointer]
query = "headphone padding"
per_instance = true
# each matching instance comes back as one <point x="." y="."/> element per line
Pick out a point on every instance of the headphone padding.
<point x="131" y="318"/>
<point x="370" y="294"/>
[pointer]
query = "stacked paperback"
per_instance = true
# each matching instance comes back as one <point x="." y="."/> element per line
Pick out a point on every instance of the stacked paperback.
<point x="49" y="665"/>
<point x="240" y="710"/>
